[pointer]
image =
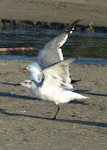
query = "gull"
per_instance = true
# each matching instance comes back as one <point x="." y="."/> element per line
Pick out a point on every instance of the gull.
<point x="52" y="87"/>
<point x="51" y="54"/>
<point x="37" y="75"/>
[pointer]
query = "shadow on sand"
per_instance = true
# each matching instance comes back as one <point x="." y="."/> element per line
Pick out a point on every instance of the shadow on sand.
<point x="97" y="124"/>
<point x="100" y="124"/>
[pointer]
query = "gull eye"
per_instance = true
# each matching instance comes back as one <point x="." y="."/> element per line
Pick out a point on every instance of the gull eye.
<point x="25" y="82"/>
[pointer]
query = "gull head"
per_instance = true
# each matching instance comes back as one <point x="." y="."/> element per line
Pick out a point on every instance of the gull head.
<point x="34" y="67"/>
<point x="26" y="83"/>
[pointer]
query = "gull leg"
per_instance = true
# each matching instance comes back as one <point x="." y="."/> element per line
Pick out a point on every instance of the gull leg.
<point x="56" y="112"/>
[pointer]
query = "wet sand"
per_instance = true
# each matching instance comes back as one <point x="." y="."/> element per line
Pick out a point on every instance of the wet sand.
<point x="25" y="122"/>
<point x="59" y="11"/>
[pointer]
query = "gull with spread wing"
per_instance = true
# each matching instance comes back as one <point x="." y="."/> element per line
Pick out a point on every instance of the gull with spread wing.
<point x="52" y="87"/>
<point x="51" y="54"/>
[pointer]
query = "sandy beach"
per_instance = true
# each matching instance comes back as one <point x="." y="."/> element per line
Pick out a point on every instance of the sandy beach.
<point x="25" y="121"/>
<point x="59" y="11"/>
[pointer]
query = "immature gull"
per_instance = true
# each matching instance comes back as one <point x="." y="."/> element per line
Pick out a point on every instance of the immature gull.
<point x="51" y="54"/>
<point x="52" y="88"/>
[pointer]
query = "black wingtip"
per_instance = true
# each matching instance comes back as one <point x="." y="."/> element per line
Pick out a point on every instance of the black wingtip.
<point x="67" y="28"/>
<point x="73" y="81"/>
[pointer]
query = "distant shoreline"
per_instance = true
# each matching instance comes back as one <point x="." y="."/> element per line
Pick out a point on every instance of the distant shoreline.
<point x="55" y="25"/>
<point x="50" y="12"/>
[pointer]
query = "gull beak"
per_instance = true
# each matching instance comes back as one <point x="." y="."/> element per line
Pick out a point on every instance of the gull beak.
<point x="24" y="69"/>
<point x="17" y="84"/>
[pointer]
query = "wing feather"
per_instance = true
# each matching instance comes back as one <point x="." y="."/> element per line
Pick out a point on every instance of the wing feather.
<point x="59" y="71"/>
<point x="51" y="52"/>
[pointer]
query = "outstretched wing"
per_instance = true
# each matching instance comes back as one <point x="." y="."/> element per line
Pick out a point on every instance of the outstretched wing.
<point x="58" y="73"/>
<point x="51" y="52"/>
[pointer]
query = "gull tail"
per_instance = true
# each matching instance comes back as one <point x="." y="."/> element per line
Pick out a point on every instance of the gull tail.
<point x="68" y="96"/>
<point x="76" y="96"/>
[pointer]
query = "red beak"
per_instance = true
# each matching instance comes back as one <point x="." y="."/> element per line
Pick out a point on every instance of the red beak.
<point x="24" y="69"/>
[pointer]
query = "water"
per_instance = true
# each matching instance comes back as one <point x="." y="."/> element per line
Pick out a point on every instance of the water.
<point x="90" y="48"/>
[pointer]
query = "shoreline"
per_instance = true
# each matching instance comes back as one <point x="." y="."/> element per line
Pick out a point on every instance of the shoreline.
<point x="51" y="11"/>
<point x="48" y="25"/>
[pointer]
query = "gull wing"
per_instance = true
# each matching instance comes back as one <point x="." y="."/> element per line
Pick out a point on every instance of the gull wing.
<point x="51" y="52"/>
<point x="58" y="73"/>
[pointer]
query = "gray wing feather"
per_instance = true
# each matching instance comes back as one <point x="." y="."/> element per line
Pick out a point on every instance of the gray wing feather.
<point x="51" y="52"/>
<point x="48" y="58"/>
<point x="52" y="48"/>
<point x="57" y="42"/>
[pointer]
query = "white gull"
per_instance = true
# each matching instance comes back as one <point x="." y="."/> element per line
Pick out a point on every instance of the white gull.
<point x="52" y="87"/>
<point x="51" y="54"/>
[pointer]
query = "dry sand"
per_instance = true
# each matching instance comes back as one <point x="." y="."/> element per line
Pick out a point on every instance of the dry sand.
<point x="25" y="121"/>
<point x="61" y="11"/>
